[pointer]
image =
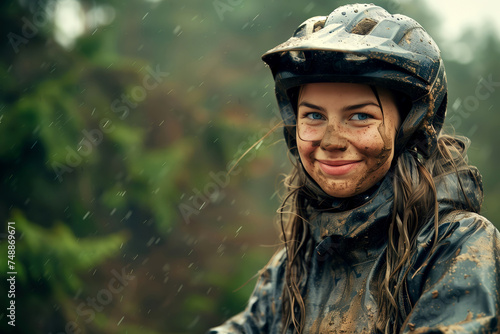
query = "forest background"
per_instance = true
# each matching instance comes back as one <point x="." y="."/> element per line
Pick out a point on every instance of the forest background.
<point x="120" y="121"/>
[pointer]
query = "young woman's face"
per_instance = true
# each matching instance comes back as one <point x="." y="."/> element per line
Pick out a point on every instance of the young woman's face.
<point x="345" y="140"/>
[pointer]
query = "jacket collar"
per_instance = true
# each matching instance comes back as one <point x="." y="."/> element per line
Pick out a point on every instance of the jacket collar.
<point x="449" y="191"/>
<point x="362" y="214"/>
<point x="359" y="225"/>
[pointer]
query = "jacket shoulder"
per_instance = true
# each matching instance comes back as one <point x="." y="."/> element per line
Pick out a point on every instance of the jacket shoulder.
<point x="454" y="284"/>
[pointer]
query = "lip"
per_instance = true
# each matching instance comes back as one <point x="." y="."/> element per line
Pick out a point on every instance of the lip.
<point x="338" y="167"/>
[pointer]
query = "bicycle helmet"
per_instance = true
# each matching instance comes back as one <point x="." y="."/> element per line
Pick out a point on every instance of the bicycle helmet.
<point x="363" y="43"/>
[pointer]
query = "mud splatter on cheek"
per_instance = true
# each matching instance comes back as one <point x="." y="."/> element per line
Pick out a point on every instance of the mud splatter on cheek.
<point x="381" y="158"/>
<point x="386" y="150"/>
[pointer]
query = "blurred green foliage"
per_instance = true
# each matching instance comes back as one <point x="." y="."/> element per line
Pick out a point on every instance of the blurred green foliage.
<point x="117" y="147"/>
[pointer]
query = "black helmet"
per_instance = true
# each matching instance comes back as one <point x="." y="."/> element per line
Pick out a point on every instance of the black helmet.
<point x="365" y="44"/>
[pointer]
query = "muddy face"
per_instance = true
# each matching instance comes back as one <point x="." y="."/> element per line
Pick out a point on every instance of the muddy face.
<point x="356" y="143"/>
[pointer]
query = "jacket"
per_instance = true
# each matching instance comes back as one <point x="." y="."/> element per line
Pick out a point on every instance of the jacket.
<point x="454" y="289"/>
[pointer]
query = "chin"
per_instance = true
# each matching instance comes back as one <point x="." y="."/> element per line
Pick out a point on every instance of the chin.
<point x="342" y="193"/>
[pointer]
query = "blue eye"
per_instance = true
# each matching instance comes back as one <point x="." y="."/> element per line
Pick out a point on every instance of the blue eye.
<point x="314" y="115"/>
<point x="360" y="117"/>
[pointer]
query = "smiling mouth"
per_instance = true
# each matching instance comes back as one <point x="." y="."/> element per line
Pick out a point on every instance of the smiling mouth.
<point x="339" y="167"/>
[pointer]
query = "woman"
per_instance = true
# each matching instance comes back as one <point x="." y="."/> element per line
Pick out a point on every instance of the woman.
<point x="380" y="223"/>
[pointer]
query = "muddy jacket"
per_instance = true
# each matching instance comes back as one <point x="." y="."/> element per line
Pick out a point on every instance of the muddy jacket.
<point x="454" y="291"/>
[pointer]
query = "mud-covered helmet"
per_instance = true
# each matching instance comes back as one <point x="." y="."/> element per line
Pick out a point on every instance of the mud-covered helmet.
<point x="365" y="44"/>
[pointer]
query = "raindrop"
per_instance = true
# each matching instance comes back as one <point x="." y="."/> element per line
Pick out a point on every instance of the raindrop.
<point x="177" y="30"/>
<point x="343" y="13"/>
<point x="309" y="7"/>
<point x="78" y="293"/>
<point x="194" y="322"/>
<point x="119" y="322"/>
<point x="150" y="242"/>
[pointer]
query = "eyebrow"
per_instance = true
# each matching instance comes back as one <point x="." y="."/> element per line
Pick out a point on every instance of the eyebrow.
<point x="346" y="108"/>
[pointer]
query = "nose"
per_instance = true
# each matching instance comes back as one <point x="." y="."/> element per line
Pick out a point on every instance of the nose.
<point x="334" y="139"/>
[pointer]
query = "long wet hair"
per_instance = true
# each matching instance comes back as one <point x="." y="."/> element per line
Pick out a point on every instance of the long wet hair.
<point x="415" y="204"/>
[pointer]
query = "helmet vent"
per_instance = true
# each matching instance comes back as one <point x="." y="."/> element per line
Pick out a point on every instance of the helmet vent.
<point x="364" y="26"/>
<point x="319" y="25"/>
